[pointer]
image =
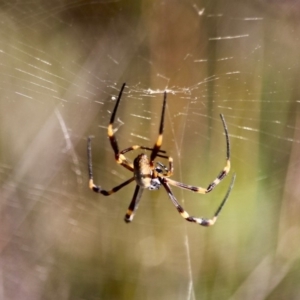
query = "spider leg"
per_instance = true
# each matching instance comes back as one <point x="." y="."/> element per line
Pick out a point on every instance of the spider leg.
<point x="161" y="168"/>
<point x="158" y="143"/>
<point x="97" y="188"/>
<point x="226" y="169"/>
<point x="133" y="204"/>
<point x="185" y="215"/>
<point x="170" y="169"/>
<point x="110" y="130"/>
<point x="120" y="158"/>
<point x="219" y="178"/>
<point x="135" y="147"/>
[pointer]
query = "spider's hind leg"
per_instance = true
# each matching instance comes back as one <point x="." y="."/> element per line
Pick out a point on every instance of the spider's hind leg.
<point x="218" y="179"/>
<point x="226" y="169"/>
<point x="185" y="214"/>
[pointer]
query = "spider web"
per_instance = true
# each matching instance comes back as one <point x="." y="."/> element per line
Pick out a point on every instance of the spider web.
<point x="62" y="65"/>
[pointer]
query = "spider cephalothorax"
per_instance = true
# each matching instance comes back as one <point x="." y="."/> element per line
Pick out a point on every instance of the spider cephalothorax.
<point x="149" y="174"/>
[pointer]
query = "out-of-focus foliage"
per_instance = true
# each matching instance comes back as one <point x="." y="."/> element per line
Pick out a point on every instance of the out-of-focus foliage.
<point x="62" y="64"/>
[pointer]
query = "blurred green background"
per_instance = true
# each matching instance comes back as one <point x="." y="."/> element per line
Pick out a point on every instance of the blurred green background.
<point x="62" y="65"/>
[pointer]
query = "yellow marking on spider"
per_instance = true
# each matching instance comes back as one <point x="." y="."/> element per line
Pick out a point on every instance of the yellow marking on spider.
<point x="212" y="221"/>
<point x="227" y="168"/>
<point x="201" y="191"/>
<point x="184" y="214"/>
<point x="121" y="159"/>
<point x="216" y="181"/>
<point x="110" y="131"/>
<point x="91" y="184"/>
<point x="129" y="212"/>
<point x="159" y="140"/>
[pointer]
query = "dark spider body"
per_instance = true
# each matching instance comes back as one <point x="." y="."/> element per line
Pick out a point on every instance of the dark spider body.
<point x="150" y="175"/>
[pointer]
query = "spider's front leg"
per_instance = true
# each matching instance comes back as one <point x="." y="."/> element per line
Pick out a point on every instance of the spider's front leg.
<point x="119" y="157"/>
<point x="156" y="148"/>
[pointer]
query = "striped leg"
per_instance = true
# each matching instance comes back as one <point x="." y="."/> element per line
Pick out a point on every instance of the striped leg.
<point x="120" y="158"/>
<point x="97" y="188"/>
<point x="119" y="155"/>
<point x="185" y="215"/>
<point x="110" y="130"/>
<point x="226" y="170"/>
<point x="135" y="147"/>
<point x="156" y="148"/>
<point x="198" y="189"/>
<point x="133" y="204"/>
<point x="219" y="178"/>
<point x="171" y="167"/>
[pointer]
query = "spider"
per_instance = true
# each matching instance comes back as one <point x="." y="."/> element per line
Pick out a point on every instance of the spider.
<point x="150" y="175"/>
